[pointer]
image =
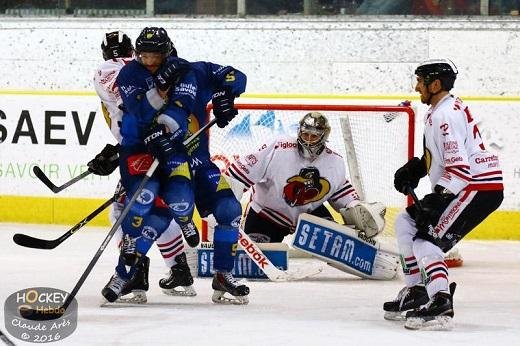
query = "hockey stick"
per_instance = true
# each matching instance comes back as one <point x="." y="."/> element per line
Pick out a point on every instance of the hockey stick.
<point x="44" y="179"/>
<point x="273" y="273"/>
<point x="5" y="339"/>
<point x="418" y="205"/>
<point x="37" y="243"/>
<point x="37" y="315"/>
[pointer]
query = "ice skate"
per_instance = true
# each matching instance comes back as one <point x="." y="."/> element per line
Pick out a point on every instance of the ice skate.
<point x="179" y="282"/>
<point x="191" y="234"/>
<point x="228" y="290"/>
<point x="113" y="289"/>
<point x="409" y="298"/>
<point x="134" y="291"/>
<point x="434" y="315"/>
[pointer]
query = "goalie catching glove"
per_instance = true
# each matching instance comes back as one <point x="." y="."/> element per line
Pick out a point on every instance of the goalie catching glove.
<point x="367" y="217"/>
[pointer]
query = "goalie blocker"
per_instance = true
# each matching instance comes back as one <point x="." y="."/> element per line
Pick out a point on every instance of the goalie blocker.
<point x="340" y="247"/>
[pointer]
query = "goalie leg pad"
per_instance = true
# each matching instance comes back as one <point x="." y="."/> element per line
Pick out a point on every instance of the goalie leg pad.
<point x="340" y="247"/>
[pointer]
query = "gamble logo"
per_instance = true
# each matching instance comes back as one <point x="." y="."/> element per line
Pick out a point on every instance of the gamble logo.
<point x="37" y="327"/>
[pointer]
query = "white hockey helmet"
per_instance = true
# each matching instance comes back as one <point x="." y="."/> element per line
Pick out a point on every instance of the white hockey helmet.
<point x="313" y="132"/>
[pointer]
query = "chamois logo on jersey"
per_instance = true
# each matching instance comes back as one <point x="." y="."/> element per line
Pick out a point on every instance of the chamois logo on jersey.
<point x="193" y="127"/>
<point x="28" y="315"/>
<point x="306" y="187"/>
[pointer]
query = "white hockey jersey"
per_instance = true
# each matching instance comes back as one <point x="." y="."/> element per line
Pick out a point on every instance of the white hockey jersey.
<point x="456" y="157"/>
<point x="106" y="88"/>
<point x="285" y="184"/>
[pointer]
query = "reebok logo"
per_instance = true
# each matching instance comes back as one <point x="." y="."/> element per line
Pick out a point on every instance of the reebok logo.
<point x="250" y="248"/>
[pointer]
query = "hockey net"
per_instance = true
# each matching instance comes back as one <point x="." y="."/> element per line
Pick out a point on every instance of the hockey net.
<point x="373" y="140"/>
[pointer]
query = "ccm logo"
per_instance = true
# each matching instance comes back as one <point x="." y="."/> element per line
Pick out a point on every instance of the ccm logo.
<point x="250" y="248"/>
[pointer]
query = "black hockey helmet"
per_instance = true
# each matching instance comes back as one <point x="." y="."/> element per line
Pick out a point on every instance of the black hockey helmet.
<point x="153" y="40"/>
<point x="116" y="44"/>
<point x="442" y="69"/>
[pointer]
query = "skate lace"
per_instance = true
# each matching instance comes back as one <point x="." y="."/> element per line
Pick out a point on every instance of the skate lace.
<point x="117" y="283"/>
<point x="229" y="279"/>
<point x="401" y="296"/>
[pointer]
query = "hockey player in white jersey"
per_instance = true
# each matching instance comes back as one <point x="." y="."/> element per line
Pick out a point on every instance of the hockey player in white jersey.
<point x="466" y="183"/>
<point x="118" y="51"/>
<point x="292" y="176"/>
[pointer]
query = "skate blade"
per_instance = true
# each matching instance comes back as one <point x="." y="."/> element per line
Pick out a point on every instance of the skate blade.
<point x="223" y="297"/>
<point x="134" y="297"/>
<point x="184" y="291"/>
<point x="439" y="323"/>
<point x="395" y="316"/>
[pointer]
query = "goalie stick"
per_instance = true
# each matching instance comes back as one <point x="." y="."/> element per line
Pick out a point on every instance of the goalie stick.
<point x="44" y="179"/>
<point x="36" y="315"/>
<point x="37" y="243"/>
<point x="273" y="273"/>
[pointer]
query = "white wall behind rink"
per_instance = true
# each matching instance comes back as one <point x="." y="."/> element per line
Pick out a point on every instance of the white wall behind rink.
<point x="333" y="55"/>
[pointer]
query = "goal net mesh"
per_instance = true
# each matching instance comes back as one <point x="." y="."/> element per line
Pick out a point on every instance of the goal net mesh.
<point x="373" y="140"/>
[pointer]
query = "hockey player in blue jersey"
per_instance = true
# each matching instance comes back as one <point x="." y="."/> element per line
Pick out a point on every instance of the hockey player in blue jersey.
<point x="220" y="85"/>
<point x="158" y="93"/>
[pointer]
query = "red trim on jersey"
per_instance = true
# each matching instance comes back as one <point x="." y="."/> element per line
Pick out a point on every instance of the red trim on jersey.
<point x="487" y="173"/>
<point x="409" y="258"/>
<point x="238" y="172"/>
<point x="458" y="174"/>
<point x="349" y="191"/>
<point x="485" y="187"/>
<point x="282" y="216"/>
<point x="413" y="271"/>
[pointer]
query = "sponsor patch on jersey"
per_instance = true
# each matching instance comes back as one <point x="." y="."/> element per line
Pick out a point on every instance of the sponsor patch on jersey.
<point x="145" y="197"/>
<point x="179" y="207"/>
<point x="188" y="89"/>
<point x="251" y="160"/>
<point x="149" y="232"/>
<point x="139" y="164"/>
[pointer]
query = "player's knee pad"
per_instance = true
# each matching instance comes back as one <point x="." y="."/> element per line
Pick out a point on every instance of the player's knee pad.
<point x="180" y="200"/>
<point x="405" y="229"/>
<point x="228" y="211"/>
<point x="225" y="246"/>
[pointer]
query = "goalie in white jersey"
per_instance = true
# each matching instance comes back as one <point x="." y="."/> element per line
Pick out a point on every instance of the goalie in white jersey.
<point x="466" y="183"/>
<point x="291" y="176"/>
<point x="118" y="51"/>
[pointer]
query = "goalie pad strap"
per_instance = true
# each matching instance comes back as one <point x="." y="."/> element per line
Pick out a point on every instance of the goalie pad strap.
<point x="368" y="217"/>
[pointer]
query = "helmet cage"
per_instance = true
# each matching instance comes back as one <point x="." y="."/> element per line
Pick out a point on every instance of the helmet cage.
<point x="316" y="124"/>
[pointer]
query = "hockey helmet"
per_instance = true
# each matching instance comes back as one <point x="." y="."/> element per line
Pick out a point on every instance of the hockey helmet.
<point x="116" y="44"/>
<point x="153" y="40"/>
<point x="442" y="69"/>
<point x="313" y="132"/>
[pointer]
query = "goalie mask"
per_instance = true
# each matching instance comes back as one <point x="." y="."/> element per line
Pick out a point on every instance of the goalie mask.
<point x="116" y="44"/>
<point x="442" y="69"/>
<point x="313" y="132"/>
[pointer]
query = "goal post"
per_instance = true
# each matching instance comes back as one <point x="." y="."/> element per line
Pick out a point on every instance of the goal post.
<point x="374" y="141"/>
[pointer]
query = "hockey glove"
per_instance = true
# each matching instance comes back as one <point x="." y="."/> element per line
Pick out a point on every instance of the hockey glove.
<point x="409" y="175"/>
<point x="170" y="74"/>
<point x="224" y="109"/>
<point x="106" y="161"/>
<point x="433" y="205"/>
<point x="162" y="144"/>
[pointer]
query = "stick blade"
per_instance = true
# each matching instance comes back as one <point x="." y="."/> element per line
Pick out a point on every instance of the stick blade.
<point x="43" y="178"/>
<point x="35" y="243"/>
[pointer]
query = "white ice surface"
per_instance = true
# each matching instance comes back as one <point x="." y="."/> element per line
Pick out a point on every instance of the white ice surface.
<point x="332" y="308"/>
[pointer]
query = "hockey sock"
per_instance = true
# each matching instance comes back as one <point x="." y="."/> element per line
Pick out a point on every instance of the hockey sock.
<point x="225" y="244"/>
<point x="170" y="245"/>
